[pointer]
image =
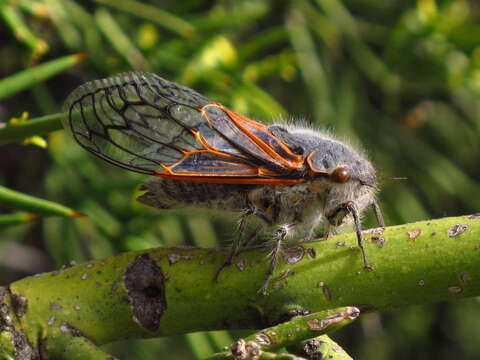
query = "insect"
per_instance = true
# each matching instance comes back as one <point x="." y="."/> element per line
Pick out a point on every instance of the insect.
<point x="203" y="154"/>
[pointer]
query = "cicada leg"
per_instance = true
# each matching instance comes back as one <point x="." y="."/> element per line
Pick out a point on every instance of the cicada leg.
<point x="378" y="214"/>
<point x="280" y="235"/>
<point x="352" y="208"/>
<point x="237" y="243"/>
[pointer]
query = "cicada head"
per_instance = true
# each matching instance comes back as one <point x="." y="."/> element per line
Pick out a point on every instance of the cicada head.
<point x="341" y="175"/>
<point x="351" y="179"/>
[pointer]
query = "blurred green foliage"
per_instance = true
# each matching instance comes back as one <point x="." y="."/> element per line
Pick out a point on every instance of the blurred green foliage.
<point x="399" y="78"/>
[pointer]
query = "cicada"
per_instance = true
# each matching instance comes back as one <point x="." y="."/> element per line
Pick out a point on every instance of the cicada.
<point x="202" y="154"/>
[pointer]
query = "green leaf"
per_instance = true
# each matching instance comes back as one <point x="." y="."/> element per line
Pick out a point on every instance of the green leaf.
<point x="119" y="40"/>
<point x="27" y="78"/>
<point x="17" y="200"/>
<point x="154" y="14"/>
<point x="16" y="218"/>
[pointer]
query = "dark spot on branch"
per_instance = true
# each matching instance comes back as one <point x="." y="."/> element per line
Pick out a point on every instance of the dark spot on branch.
<point x="244" y="350"/>
<point x="414" y="234"/>
<point x="66" y="328"/>
<point x="457" y="229"/>
<point x="263" y="339"/>
<point x="289" y="315"/>
<point x="69" y="265"/>
<point x="380" y="240"/>
<point x="174" y="258"/>
<point x="55" y="306"/>
<point x="145" y="284"/>
<point x="311" y="252"/>
<point x="240" y="265"/>
<point x="19" y="304"/>
<point x="293" y="254"/>
<point x="325" y="290"/>
<point x="311" y="349"/>
<point x="377" y="231"/>
<point x="455" y="289"/>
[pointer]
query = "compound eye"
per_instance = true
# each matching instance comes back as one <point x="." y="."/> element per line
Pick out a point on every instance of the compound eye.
<point x="340" y="175"/>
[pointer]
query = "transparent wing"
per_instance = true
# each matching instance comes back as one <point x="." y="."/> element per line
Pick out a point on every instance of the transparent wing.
<point x="146" y="124"/>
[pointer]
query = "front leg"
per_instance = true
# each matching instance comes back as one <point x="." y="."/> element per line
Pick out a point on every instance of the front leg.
<point x="336" y="217"/>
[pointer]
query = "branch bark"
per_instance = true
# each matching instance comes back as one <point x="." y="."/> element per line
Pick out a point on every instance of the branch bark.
<point x="302" y="335"/>
<point x="161" y="292"/>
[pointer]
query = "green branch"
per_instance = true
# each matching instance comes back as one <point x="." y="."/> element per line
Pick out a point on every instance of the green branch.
<point x="297" y="333"/>
<point x="36" y="206"/>
<point x="38" y="126"/>
<point x="162" y="292"/>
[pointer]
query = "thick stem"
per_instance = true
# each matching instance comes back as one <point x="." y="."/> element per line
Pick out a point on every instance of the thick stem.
<point x="160" y="292"/>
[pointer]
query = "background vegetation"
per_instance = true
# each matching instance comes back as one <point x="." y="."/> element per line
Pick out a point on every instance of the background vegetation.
<point x="401" y="78"/>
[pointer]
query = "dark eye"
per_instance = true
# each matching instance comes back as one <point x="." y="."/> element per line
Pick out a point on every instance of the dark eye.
<point x="340" y="175"/>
